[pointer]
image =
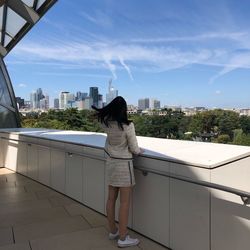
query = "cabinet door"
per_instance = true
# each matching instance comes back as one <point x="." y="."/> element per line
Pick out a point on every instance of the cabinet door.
<point x="57" y="177"/>
<point x="230" y="218"/>
<point x="32" y="170"/>
<point x="74" y="169"/>
<point x="11" y="155"/>
<point x="22" y="158"/>
<point x="189" y="215"/>
<point x="151" y="206"/>
<point x="189" y="209"/>
<point x="44" y="165"/>
<point x="93" y="184"/>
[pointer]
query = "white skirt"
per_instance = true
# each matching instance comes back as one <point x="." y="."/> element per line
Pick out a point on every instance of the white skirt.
<point x="120" y="172"/>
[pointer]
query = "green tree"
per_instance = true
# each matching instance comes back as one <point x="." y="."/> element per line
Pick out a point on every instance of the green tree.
<point x="245" y="124"/>
<point x="227" y="122"/>
<point x="223" y="139"/>
<point x="240" y="138"/>
<point x="168" y="126"/>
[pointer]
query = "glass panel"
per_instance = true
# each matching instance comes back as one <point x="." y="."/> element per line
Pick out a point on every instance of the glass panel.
<point x="1" y="17"/>
<point x="4" y="94"/>
<point x="7" y="118"/>
<point x="14" y="22"/>
<point x="7" y="39"/>
<point x="29" y="2"/>
<point x="1" y="22"/>
<point x="39" y="4"/>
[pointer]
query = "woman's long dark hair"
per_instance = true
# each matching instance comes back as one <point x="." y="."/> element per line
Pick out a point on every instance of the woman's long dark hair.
<point x="116" y="110"/>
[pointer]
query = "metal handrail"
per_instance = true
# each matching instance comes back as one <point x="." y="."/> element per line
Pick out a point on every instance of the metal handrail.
<point x="245" y="196"/>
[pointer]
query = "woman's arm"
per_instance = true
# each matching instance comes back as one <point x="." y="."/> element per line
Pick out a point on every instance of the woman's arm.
<point x="132" y="141"/>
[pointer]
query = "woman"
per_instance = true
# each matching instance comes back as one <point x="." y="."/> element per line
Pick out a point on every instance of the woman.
<point x="120" y="144"/>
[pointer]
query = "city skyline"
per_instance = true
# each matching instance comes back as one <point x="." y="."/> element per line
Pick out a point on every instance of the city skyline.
<point x="38" y="99"/>
<point x="185" y="53"/>
<point x="83" y="101"/>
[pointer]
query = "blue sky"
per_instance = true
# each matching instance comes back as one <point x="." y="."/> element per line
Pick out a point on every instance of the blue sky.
<point x="183" y="52"/>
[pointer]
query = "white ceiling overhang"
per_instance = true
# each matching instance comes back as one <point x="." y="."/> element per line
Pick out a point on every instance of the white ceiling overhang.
<point x="17" y="17"/>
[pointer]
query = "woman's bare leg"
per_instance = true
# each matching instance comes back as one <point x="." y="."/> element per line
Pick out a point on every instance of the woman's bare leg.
<point x="125" y="193"/>
<point x="110" y="208"/>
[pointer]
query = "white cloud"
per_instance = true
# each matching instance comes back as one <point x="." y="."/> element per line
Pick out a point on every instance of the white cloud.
<point x="88" y="17"/>
<point x="70" y="74"/>
<point x="217" y="92"/>
<point x="237" y="36"/>
<point x="239" y="60"/>
<point x="126" y="67"/>
<point x="22" y="85"/>
<point x="101" y="54"/>
<point x="111" y="66"/>
<point x="99" y="18"/>
<point x="133" y="56"/>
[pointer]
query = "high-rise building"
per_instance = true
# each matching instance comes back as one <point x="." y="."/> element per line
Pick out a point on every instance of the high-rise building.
<point x="71" y="103"/>
<point x="81" y="95"/>
<point x="33" y="100"/>
<point x="44" y="103"/>
<point x="93" y="93"/>
<point x="88" y="102"/>
<point x="78" y="95"/>
<point x="154" y="104"/>
<point x="157" y="104"/>
<point x="56" y="103"/>
<point x="39" y="93"/>
<point x="80" y="104"/>
<point x="143" y="104"/>
<point x="100" y="101"/>
<point x="64" y="99"/>
<point x="112" y="93"/>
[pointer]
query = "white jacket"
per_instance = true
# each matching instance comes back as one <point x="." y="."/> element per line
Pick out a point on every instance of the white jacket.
<point x="121" y="144"/>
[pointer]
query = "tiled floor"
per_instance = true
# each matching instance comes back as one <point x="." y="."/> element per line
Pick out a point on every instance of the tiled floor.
<point x="33" y="216"/>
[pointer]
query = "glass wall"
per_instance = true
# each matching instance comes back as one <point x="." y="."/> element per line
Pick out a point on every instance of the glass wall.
<point x="8" y="108"/>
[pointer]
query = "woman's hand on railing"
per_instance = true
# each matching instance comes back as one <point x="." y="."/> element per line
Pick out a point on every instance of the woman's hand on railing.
<point x="141" y="151"/>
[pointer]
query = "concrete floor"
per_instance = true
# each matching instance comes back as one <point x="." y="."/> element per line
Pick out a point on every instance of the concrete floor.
<point x="33" y="216"/>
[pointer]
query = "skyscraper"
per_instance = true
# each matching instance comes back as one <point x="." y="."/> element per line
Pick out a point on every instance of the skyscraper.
<point x="81" y="95"/>
<point x="154" y="103"/>
<point x="157" y="104"/>
<point x="100" y="101"/>
<point x="65" y="99"/>
<point x="39" y="93"/>
<point x="88" y="102"/>
<point x="61" y="99"/>
<point x="33" y="100"/>
<point x="56" y="103"/>
<point x="43" y="104"/>
<point x="143" y="103"/>
<point x="112" y="93"/>
<point x="46" y="101"/>
<point x="93" y="93"/>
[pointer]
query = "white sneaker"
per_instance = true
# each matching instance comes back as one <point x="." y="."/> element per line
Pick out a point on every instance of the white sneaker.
<point x="114" y="236"/>
<point x="128" y="242"/>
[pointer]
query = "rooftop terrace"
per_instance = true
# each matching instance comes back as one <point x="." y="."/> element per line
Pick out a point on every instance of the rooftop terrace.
<point x="34" y="216"/>
<point x="188" y="195"/>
